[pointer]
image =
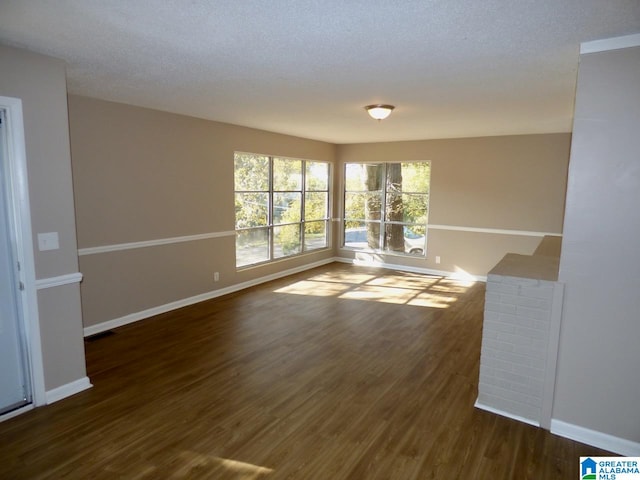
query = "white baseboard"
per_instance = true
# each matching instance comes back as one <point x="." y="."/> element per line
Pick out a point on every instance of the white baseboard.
<point x="68" y="389"/>
<point x="601" y="440"/>
<point x="406" y="268"/>
<point x="137" y="316"/>
<point x="502" y="413"/>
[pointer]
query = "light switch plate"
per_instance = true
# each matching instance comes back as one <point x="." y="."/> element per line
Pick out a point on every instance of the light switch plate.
<point x="48" y="241"/>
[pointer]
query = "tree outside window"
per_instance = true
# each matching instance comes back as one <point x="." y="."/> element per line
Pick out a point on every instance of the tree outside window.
<point x="386" y="207"/>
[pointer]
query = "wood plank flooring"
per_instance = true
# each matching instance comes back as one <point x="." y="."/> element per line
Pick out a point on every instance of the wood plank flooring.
<point x="340" y="372"/>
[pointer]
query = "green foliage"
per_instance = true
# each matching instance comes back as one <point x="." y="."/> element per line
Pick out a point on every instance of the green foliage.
<point x="317" y="176"/>
<point x="251" y="209"/>
<point x="287" y="174"/>
<point x="251" y="172"/>
<point x="416" y="177"/>
<point x="288" y="236"/>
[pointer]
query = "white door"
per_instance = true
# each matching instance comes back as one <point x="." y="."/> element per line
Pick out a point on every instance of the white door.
<point x="14" y="380"/>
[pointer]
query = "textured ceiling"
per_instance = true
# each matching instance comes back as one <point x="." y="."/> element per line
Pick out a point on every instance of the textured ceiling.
<point x="453" y="68"/>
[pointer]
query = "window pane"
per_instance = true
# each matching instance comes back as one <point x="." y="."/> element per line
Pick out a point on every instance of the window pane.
<point x="405" y="239"/>
<point x="362" y="235"/>
<point x="251" y="172"/>
<point x="416" y="177"/>
<point x="286" y="240"/>
<point x="363" y="206"/>
<point x="315" y="235"/>
<point x="252" y="246"/>
<point x="317" y="176"/>
<point x="415" y="208"/>
<point x="315" y="206"/>
<point x="287" y="174"/>
<point x="363" y="177"/>
<point x="286" y="207"/>
<point x="407" y="208"/>
<point x="252" y="209"/>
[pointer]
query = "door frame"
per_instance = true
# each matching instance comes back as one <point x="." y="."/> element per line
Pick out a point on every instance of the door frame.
<point x="20" y="210"/>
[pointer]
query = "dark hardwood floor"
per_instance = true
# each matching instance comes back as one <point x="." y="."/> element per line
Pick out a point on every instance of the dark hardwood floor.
<point x="340" y="372"/>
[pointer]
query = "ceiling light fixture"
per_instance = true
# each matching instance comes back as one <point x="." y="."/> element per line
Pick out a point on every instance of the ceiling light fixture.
<point x="379" y="112"/>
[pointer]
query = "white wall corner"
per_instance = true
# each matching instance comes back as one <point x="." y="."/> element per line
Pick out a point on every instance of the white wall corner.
<point x="68" y="389"/>
<point x="621" y="446"/>
<point x="552" y="356"/>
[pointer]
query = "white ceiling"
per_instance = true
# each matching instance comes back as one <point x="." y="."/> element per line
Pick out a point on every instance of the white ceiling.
<point x="453" y="68"/>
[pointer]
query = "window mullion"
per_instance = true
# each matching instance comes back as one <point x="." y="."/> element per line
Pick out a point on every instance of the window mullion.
<point x="270" y="220"/>
<point x="383" y="208"/>
<point x="303" y="203"/>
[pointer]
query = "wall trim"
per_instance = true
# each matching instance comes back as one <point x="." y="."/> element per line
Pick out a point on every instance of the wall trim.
<point x="68" y="389"/>
<point x="614" y="43"/>
<point x="500" y="231"/>
<point x="153" y="243"/>
<point x="502" y="413"/>
<point x="230" y="233"/>
<point x="58" y="281"/>
<point x="150" y="312"/>
<point x="407" y="268"/>
<point x="594" y="438"/>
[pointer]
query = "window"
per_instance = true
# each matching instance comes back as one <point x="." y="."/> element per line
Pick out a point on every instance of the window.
<point x="386" y="207"/>
<point x="282" y="207"/>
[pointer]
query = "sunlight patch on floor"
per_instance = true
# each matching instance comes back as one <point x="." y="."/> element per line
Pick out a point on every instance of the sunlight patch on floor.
<point x="315" y="288"/>
<point x="198" y="463"/>
<point x="401" y="288"/>
<point x="433" y="300"/>
<point x="405" y="281"/>
<point x="380" y="294"/>
<point x="344" y="277"/>
<point x="452" y="287"/>
<point x="464" y="277"/>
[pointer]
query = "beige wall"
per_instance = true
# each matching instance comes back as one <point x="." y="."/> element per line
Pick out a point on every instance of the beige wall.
<point x="143" y="175"/>
<point x="514" y="183"/>
<point x="598" y="385"/>
<point x="40" y="83"/>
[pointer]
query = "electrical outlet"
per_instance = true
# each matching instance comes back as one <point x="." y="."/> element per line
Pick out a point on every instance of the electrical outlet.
<point x="438" y="259"/>
<point x="216" y="276"/>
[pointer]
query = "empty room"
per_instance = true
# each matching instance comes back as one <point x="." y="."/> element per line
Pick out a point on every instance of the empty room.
<point x="319" y="240"/>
